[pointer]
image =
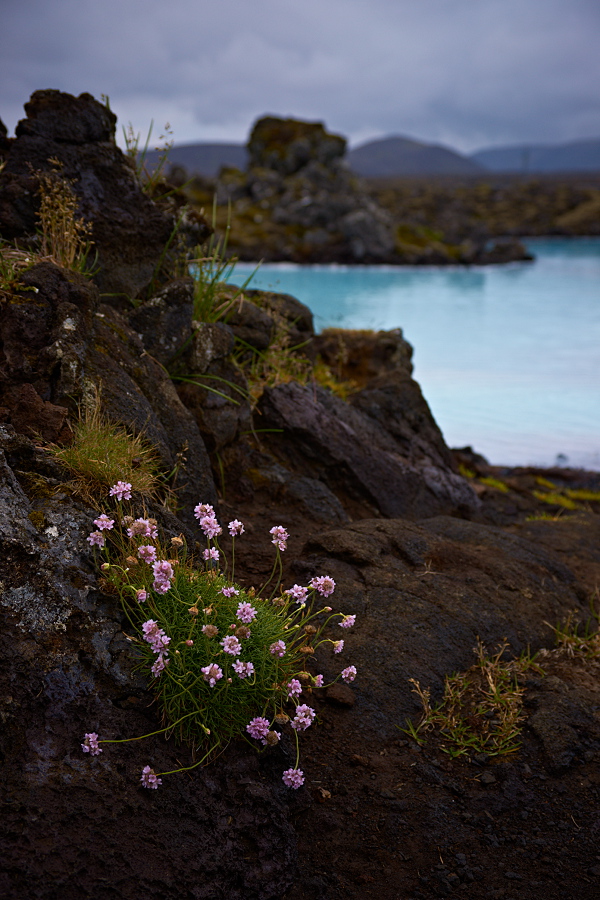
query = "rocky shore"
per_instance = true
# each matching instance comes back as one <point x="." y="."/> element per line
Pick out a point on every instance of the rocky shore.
<point x="299" y="201"/>
<point x="431" y="548"/>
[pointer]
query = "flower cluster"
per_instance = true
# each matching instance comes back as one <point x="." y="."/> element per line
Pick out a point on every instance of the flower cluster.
<point x="149" y="779"/>
<point x="121" y="490"/>
<point x="90" y="744"/>
<point x="303" y="718"/>
<point x="227" y="655"/>
<point x="280" y="537"/>
<point x="159" y="642"/>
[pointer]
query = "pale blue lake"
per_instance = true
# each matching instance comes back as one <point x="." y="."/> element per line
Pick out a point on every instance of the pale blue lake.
<point x="508" y="357"/>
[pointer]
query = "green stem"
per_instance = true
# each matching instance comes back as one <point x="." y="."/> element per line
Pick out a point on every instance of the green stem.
<point x="193" y="766"/>
<point x="152" y="733"/>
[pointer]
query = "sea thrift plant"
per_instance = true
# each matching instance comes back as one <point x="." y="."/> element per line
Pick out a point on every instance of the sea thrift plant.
<point x="224" y="660"/>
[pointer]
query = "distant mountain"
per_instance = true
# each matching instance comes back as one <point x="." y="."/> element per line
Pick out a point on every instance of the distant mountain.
<point x="203" y="159"/>
<point x="576" y="156"/>
<point x="394" y="156"/>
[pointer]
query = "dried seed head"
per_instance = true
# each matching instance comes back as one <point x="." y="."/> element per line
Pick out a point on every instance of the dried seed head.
<point x="131" y="561"/>
<point x="208" y="610"/>
<point x="210" y="630"/>
<point x="272" y="738"/>
<point x="279" y="601"/>
<point x="281" y="718"/>
<point x="251" y="592"/>
<point x="177" y="542"/>
<point x="303" y="677"/>
<point x="242" y="631"/>
<point x="306" y="650"/>
<point x="193" y="610"/>
<point x="128" y="520"/>
<point x="310" y="629"/>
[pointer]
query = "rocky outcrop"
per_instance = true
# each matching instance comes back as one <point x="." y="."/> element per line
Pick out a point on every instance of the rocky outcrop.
<point x="129" y="231"/>
<point x="58" y="343"/>
<point x="425" y="591"/>
<point x="317" y="210"/>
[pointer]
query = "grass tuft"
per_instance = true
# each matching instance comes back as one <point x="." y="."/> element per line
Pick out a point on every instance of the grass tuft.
<point x="64" y="236"/>
<point x="481" y="710"/>
<point x="103" y="453"/>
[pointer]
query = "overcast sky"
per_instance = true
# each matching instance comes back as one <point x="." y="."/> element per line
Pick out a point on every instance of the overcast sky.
<point x="466" y="73"/>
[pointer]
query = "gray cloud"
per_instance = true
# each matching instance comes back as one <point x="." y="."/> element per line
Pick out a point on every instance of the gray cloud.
<point x="464" y="72"/>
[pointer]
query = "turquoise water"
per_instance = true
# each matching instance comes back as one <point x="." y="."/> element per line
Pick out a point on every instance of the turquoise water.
<point x="508" y="357"/>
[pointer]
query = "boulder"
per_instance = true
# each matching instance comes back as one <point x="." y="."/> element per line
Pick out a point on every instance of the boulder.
<point x="287" y="145"/>
<point x="395" y="472"/>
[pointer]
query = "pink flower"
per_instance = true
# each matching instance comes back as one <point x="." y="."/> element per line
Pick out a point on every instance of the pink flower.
<point x="210" y="526"/>
<point x="229" y="592"/>
<point x="258" y="728"/>
<point x="148" y="553"/>
<point x="121" y="490"/>
<point x="294" y="688"/>
<point x="143" y="527"/>
<point x="338" y="646"/>
<point x="163" y="570"/>
<point x="163" y="575"/>
<point x="245" y="613"/>
<point x="90" y="744"/>
<point x="236" y="527"/>
<point x="141" y="595"/>
<point x="280" y="536"/>
<point x="103" y="522"/>
<point x="203" y="509"/>
<point x="349" y="674"/>
<point x="155" y="636"/>
<point x="161" y="587"/>
<point x="212" y="673"/>
<point x="304" y="717"/>
<point x="149" y="779"/>
<point x="323" y="584"/>
<point x="277" y="649"/>
<point x="213" y="553"/>
<point x="318" y="682"/>
<point x="347" y="622"/>
<point x="243" y="669"/>
<point x="230" y="644"/>
<point x="298" y="593"/>
<point x="160" y="663"/>
<point x="293" y="778"/>
<point x="96" y="539"/>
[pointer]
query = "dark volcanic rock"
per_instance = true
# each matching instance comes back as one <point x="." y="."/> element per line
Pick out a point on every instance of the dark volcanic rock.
<point x="165" y="321"/>
<point x="58" y="343"/>
<point x="424" y="592"/>
<point x="66" y="668"/>
<point x="128" y="230"/>
<point x="287" y="145"/>
<point x="398" y="471"/>
<point x="299" y="181"/>
<point x="359" y="356"/>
